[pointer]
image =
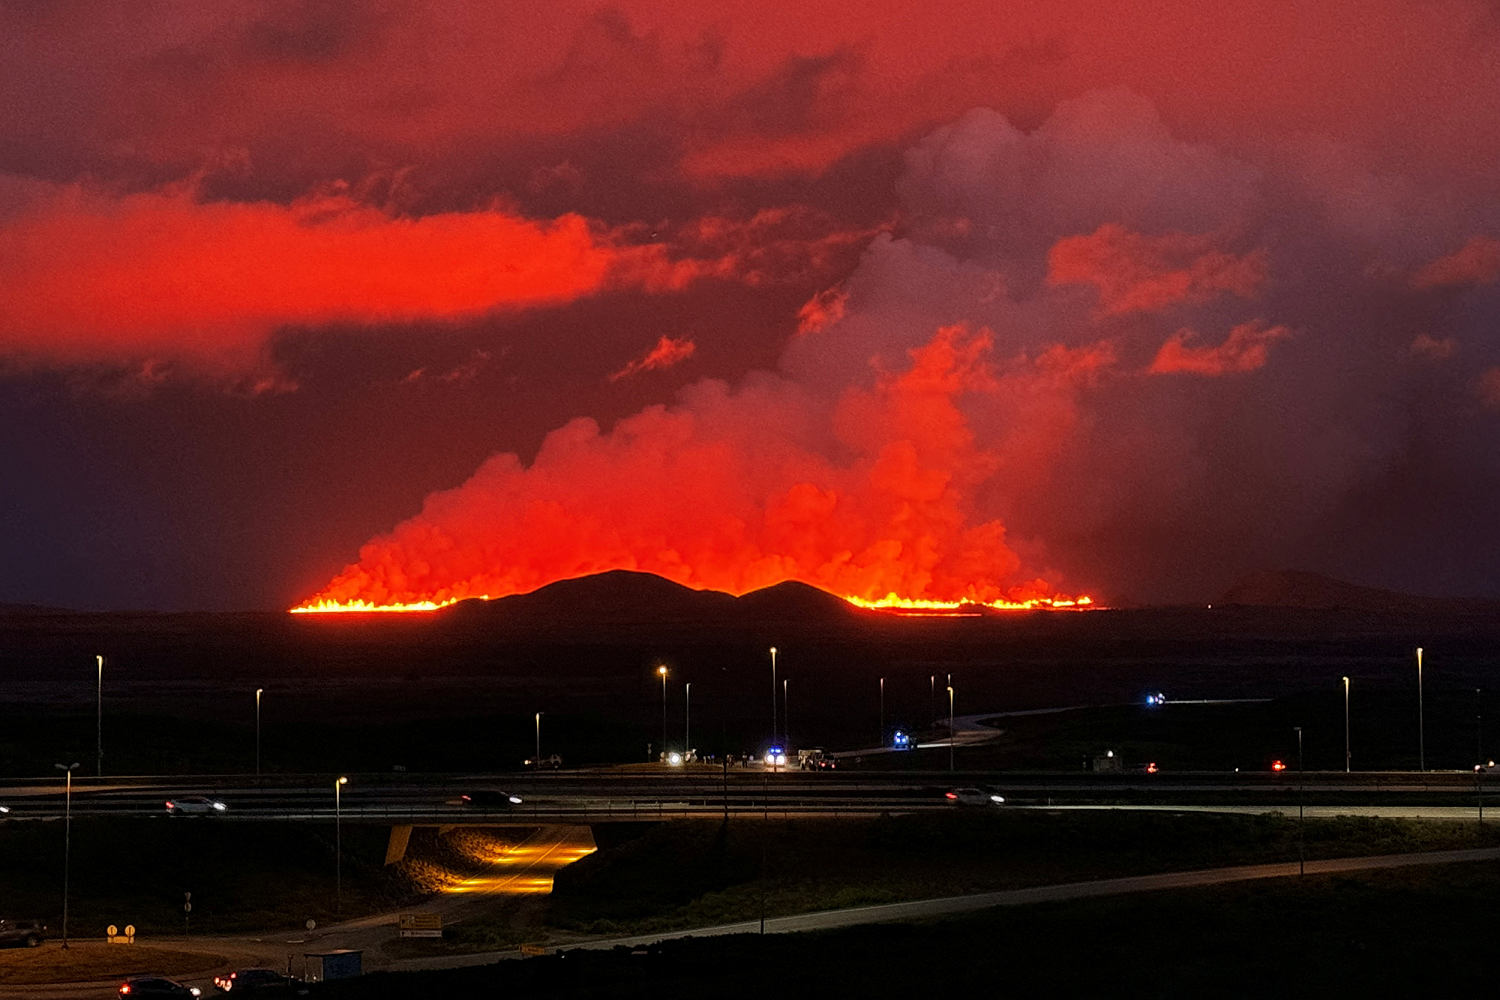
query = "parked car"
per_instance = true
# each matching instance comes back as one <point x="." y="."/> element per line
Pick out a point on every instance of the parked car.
<point x="254" y="982"/>
<point x="973" y="797"/>
<point x="23" y="932"/>
<point x="489" y="798"/>
<point x="157" y="986"/>
<point x="196" y="805"/>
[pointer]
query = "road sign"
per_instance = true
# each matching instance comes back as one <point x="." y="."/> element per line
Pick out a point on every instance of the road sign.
<point x="420" y="925"/>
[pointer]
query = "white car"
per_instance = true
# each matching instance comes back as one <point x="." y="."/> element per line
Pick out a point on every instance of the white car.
<point x="973" y="797"/>
<point x="195" y="805"/>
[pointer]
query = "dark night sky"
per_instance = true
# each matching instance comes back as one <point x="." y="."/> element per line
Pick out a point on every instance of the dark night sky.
<point x="404" y="301"/>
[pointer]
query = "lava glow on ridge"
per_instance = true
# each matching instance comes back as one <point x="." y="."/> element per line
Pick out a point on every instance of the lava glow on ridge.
<point x="891" y="602"/>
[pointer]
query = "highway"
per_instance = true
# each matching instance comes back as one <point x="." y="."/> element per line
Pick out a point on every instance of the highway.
<point x="631" y="795"/>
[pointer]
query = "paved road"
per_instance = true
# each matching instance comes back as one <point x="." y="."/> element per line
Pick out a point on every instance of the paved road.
<point x="613" y="795"/>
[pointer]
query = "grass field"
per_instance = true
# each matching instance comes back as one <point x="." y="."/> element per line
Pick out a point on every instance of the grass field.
<point x="1414" y="932"/>
<point x="694" y="874"/>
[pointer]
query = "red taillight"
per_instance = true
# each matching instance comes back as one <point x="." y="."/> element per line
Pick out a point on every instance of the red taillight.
<point x="124" y="989"/>
<point x="171" y="806"/>
<point x="949" y="795"/>
<point x="466" y="798"/>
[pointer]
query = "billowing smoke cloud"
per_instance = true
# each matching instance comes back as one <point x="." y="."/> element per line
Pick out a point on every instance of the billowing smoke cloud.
<point x="983" y="407"/>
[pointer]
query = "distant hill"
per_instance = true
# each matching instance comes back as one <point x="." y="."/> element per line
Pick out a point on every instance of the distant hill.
<point x="1295" y="589"/>
<point x="792" y="600"/>
<point x="622" y="597"/>
<point x="616" y="597"/>
<point x="24" y="610"/>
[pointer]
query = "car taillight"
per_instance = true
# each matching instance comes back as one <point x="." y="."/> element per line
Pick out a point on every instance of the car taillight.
<point x="171" y="806"/>
<point x="124" y="989"/>
<point x="949" y="795"/>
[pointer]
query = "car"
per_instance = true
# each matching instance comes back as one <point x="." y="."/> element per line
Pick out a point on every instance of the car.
<point x="200" y="805"/>
<point x="973" y="797"/>
<point x="28" y="933"/>
<point x="260" y="982"/>
<point x="489" y="798"/>
<point x="552" y="760"/>
<point x="157" y="986"/>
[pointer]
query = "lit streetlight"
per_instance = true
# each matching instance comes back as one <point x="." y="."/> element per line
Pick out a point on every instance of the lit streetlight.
<point x="932" y="697"/>
<point x="1421" y="718"/>
<point x="687" y="721"/>
<point x="338" y="845"/>
<point x="537" y="760"/>
<point x="950" y="725"/>
<point x="662" y="670"/>
<point x="1346" y="725"/>
<point x="258" y="693"/>
<point x="773" y="695"/>
<point x="881" y="743"/>
<point x="67" y="840"/>
<point x="99" y="715"/>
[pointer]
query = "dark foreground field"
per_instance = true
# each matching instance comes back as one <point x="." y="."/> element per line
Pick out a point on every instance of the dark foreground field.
<point x="1423" y="932"/>
<point x="460" y="692"/>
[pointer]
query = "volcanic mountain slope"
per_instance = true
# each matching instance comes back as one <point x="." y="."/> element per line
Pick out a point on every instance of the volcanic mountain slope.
<point x="622" y="597"/>
<point x="1295" y="589"/>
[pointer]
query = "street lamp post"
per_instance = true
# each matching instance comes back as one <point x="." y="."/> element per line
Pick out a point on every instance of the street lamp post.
<point x="786" y="713"/>
<point x="882" y="713"/>
<point x="773" y="695"/>
<point x="99" y="715"/>
<point x="932" y="697"/>
<point x="258" y="693"/>
<point x="1301" y="849"/>
<point x="537" y="760"/>
<point x="338" y="845"/>
<point x="662" y="670"/>
<point x="1421" y="718"/>
<point x="1346" y="725"/>
<point x="67" y="769"/>
<point x="950" y="726"/>
<point x="687" y="721"/>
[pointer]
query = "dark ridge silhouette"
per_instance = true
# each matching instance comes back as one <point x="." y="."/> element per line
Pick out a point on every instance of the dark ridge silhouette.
<point x="622" y="597"/>
<point x="1297" y="589"/>
<point x="618" y="597"/>
<point x="791" y="600"/>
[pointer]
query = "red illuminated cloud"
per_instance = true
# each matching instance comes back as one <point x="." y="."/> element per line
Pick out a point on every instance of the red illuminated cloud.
<point x="1134" y="272"/>
<point x="88" y="275"/>
<point x="667" y="352"/>
<point x="1489" y="388"/>
<point x="165" y="275"/>
<point x="1244" y="350"/>
<point x="1477" y="262"/>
